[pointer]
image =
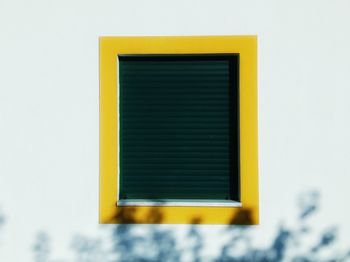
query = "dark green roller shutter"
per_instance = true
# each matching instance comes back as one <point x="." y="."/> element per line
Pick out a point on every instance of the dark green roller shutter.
<point x="179" y="127"/>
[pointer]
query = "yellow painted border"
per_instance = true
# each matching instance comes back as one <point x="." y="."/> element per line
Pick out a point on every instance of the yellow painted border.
<point x="110" y="48"/>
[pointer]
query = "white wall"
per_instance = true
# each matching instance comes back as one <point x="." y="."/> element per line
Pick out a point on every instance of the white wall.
<point x="49" y="106"/>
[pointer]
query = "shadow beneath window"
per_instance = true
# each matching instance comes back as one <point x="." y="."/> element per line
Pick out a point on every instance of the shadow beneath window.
<point x="244" y="216"/>
<point x="128" y="215"/>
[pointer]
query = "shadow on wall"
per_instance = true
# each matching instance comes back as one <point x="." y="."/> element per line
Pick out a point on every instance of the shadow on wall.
<point x="127" y="215"/>
<point x="288" y="243"/>
<point x="41" y="247"/>
<point x="2" y="219"/>
<point x="242" y="217"/>
<point x="158" y="243"/>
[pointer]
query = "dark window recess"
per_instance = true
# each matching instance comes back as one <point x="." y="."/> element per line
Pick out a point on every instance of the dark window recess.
<point x="179" y="127"/>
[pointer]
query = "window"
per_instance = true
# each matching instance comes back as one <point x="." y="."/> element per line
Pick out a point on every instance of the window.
<point x="178" y="130"/>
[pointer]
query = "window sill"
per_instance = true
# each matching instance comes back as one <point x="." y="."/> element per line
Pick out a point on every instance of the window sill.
<point x="182" y="203"/>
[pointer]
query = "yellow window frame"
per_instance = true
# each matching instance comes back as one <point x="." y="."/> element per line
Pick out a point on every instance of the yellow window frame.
<point x="110" y="48"/>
